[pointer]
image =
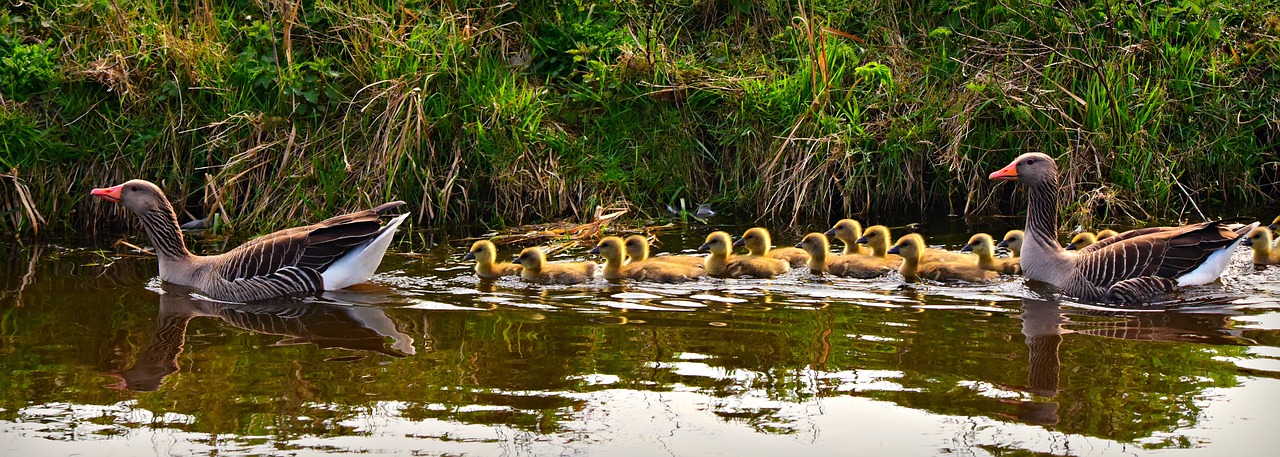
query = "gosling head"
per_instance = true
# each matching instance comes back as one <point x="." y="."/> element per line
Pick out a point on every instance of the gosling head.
<point x="815" y="244"/>
<point x="717" y="243"/>
<point x="1259" y="239"/>
<point x="531" y="259"/>
<point x="1012" y="240"/>
<point x="980" y="244"/>
<point x="909" y="246"/>
<point x="1081" y="241"/>
<point x="482" y="251"/>
<point x="611" y="248"/>
<point x="637" y="247"/>
<point x="1275" y="223"/>
<point x="876" y="235"/>
<point x="846" y="229"/>
<point x="756" y="240"/>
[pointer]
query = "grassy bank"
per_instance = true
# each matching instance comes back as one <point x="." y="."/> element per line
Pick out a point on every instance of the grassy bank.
<point x="279" y="112"/>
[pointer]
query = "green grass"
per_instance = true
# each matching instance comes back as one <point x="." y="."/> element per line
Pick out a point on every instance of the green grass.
<point x="287" y="111"/>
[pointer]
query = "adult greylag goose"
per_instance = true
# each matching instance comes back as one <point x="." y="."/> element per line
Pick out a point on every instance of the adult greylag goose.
<point x="638" y="251"/>
<point x="759" y="243"/>
<point x="913" y="267"/>
<point x="1013" y="241"/>
<point x="1134" y="266"/>
<point x="1264" y="252"/>
<point x="487" y="265"/>
<point x="848" y="231"/>
<point x="719" y="263"/>
<point x="613" y="251"/>
<point x="535" y="269"/>
<point x="877" y="238"/>
<point x="983" y="246"/>
<point x="1080" y="241"/>
<point x="332" y="254"/>
<point x="821" y="260"/>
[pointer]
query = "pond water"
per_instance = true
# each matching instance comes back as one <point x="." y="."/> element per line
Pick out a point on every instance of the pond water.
<point x="97" y="357"/>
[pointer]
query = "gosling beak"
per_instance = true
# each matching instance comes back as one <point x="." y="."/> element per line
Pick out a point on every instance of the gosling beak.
<point x="1273" y="227"/>
<point x="862" y="240"/>
<point x="1247" y="242"/>
<point x="595" y="250"/>
<point x="516" y="260"/>
<point x="1072" y="246"/>
<point x="740" y="243"/>
<point x="469" y="256"/>
<point x="800" y="245"/>
<point x="111" y="194"/>
<point x="830" y="232"/>
<point x="1003" y="244"/>
<point x="1008" y="173"/>
<point x="893" y="250"/>
<point x="967" y="248"/>
<point x="704" y="248"/>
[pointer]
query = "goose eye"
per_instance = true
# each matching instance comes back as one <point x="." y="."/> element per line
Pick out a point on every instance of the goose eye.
<point x="133" y="187"/>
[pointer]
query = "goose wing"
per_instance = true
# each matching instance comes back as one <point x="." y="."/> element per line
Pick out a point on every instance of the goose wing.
<point x="1167" y="252"/>
<point x="312" y="247"/>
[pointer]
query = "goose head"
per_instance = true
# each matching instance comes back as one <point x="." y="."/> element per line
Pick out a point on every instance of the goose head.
<point x="980" y="244"/>
<point x="637" y="247"/>
<point x="846" y="229"/>
<point x="138" y="195"/>
<point x="531" y="259"/>
<point x="611" y="248"/>
<point x="1030" y="169"/>
<point x="483" y="252"/>
<point x="1081" y="241"/>
<point x="756" y="240"/>
<point x="910" y="246"/>
<point x="717" y="243"/>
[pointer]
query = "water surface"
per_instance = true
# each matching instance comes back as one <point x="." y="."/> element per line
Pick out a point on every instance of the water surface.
<point x="99" y="357"/>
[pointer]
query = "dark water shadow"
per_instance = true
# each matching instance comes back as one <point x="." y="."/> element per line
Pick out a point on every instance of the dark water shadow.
<point x="300" y="321"/>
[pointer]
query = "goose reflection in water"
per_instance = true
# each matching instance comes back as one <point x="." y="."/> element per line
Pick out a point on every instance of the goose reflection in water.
<point x="327" y="325"/>
<point x="1045" y="321"/>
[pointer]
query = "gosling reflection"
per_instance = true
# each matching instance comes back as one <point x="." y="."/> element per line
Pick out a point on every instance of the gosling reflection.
<point x="326" y="325"/>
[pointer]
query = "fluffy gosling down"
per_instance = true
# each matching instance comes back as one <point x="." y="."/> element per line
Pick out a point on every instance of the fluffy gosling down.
<point x="759" y="243"/>
<point x="911" y="246"/>
<point x="1260" y="239"/>
<point x="613" y="250"/>
<point x="983" y="246"/>
<point x="638" y="251"/>
<point x="848" y="231"/>
<point x="854" y="266"/>
<point x="876" y="238"/>
<point x="535" y="269"/>
<point x="719" y="263"/>
<point x="487" y="265"/>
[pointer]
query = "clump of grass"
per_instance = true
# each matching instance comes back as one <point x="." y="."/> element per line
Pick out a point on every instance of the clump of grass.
<point x="278" y="112"/>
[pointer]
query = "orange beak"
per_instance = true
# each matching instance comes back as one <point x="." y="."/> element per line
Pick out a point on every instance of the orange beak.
<point x="1008" y="173"/>
<point x="111" y="194"/>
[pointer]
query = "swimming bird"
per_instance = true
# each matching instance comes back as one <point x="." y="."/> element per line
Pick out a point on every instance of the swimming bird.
<point x="981" y="245"/>
<point x="534" y="268"/>
<point x="1264" y="252"/>
<point x="721" y="264"/>
<point x="487" y="265"/>
<point x="1133" y="267"/>
<point x="877" y="238"/>
<point x="638" y="251"/>
<point x="759" y="243"/>
<point x="848" y="231"/>
<point x="911" y="246"/>
<point x="613" y="251"/>
<point x="331" y="254"/>
<point x="1080" y="241"/>
<point x="1013" y="241"/>
<point x="855" y="266"/>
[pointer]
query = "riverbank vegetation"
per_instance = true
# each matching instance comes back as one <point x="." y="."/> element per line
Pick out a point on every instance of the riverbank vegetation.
<point x="273" y="112"/>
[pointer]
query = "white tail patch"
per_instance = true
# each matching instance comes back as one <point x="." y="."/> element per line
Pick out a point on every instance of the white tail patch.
<point x="1212" y="268"/>
<point x="358" y="264"/>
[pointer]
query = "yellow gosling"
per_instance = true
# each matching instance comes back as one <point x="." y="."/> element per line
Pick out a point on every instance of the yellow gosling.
<point x="1080" y="241"/>
<point x="1275" y="224"/>
<point x="911" y="246"/>
<point x="638" y="251"/>
<point x="848" y="231"/>
<point x="983" y="246"/>
<point x="487" y="265"/>
<point x="1263" y="253"/>
<point x="759" y="243"/>
<point x="719" y="263"/>
<point x="613" y="251"/>
<point x="877" y="238"/>
<point x="1013" y="241"/>
<point x="855" y="266"/>
<point x="535" y="269"/>
<point x="1106" y="233"/>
